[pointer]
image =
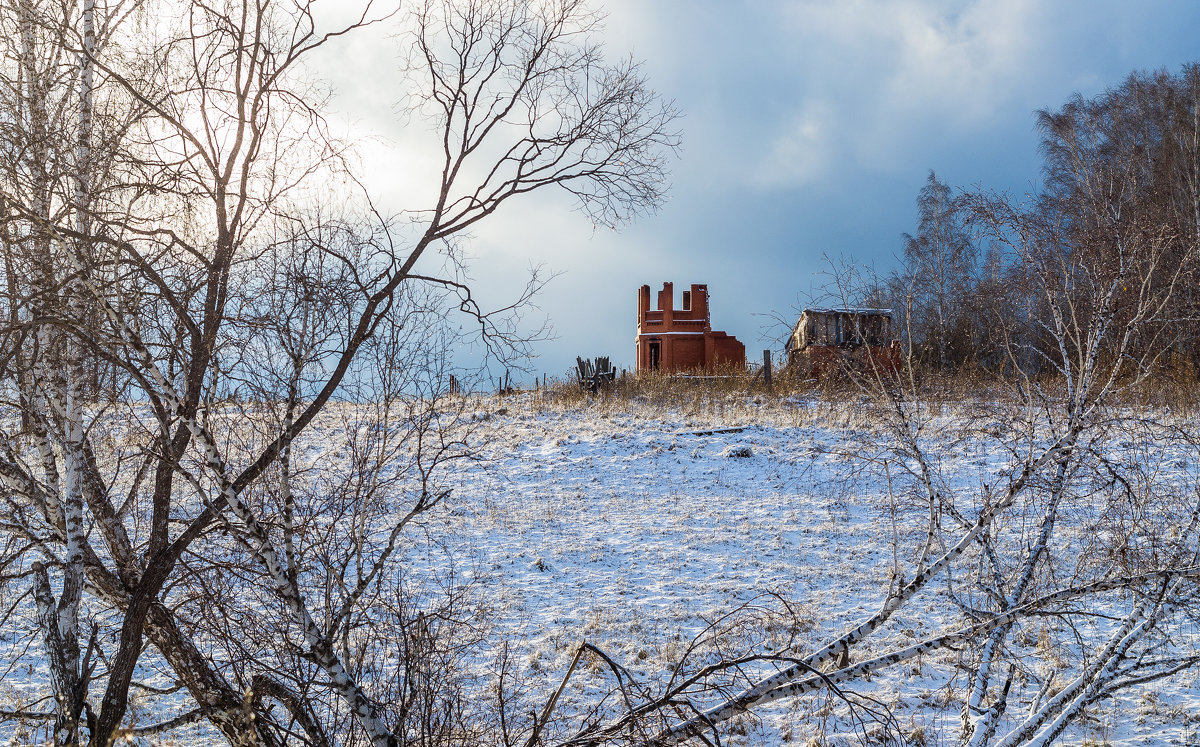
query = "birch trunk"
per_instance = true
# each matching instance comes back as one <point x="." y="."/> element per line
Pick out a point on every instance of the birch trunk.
<point x="57" y="406"/>
<point x="258" y="542"/>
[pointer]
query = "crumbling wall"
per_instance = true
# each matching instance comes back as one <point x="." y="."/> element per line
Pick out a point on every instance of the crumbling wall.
<point x="671" y="339"/>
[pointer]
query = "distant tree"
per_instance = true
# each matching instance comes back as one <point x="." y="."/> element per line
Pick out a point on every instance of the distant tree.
<point x="939" y="261"/>
<point x="1136" y="148"/>
<point x="989" y="305"/>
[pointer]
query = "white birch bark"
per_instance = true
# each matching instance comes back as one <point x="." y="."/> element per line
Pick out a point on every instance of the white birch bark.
<point x="1049" y="721"/>
<point x="981" y="721"/>
<point x="256" y="539"/>
<point x="55" y="400"/>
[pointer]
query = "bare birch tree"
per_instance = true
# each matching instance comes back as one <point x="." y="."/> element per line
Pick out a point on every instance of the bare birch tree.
<point x="148" y="249"/>
<point x="939" y="262"/>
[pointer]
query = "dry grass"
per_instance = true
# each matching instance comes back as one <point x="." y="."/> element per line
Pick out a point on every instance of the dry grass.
<point x="725" y="398"/>
<point x="734" y="391"/>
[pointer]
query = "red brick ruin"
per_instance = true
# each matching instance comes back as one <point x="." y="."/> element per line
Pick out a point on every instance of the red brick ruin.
<point x="670" y="339"/>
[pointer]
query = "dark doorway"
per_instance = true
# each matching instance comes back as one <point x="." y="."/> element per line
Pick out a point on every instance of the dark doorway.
<point x="655" y="355"/>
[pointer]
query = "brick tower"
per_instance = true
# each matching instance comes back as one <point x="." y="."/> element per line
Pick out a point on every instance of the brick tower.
<point x="670" y="339"/>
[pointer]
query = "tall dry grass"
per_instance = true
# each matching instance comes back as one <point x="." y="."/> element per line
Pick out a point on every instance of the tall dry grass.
<point x="734" y="396"/>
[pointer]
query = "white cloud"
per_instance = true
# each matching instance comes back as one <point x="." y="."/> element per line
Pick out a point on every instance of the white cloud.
<point x="886" y="72"/>
<point x="803" y="153"/>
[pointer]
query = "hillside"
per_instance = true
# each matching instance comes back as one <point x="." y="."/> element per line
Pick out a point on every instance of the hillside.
<point x="637" y="529"/>
<point x="672" y="537"/>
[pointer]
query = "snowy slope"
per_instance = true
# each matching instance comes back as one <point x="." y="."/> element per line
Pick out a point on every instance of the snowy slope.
<point x="637" y="528"/>
<point x="619" y="524"/>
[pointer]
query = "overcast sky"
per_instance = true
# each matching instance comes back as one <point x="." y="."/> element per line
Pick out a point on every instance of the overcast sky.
<point x="808" y="129"/>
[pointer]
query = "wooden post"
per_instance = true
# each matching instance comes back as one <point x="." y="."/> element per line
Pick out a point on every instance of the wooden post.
<point x="767" y="369"/>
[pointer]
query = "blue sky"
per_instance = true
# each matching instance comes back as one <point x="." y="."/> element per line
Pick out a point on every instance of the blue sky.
<point x="808" y="129"/>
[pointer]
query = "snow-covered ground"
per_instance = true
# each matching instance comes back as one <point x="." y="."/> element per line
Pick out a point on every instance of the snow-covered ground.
<point x="637" y="528"/>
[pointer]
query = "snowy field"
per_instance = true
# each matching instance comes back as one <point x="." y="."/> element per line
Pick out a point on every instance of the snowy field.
<point x="775" y="524"/>
<point x="635" y="530"/>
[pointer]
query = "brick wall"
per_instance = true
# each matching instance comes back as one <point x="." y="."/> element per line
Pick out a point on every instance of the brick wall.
<point x="681" y="339"/>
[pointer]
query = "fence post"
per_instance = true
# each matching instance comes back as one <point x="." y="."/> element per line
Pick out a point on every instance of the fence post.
<point x="767" y="369"/>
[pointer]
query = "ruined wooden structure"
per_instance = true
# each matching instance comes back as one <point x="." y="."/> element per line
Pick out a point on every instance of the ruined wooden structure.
<point x="595" y="375"/>
<point x="825" y="339"/>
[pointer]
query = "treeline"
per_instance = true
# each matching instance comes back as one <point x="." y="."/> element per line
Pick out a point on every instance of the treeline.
<point x="1120" y="190"/>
